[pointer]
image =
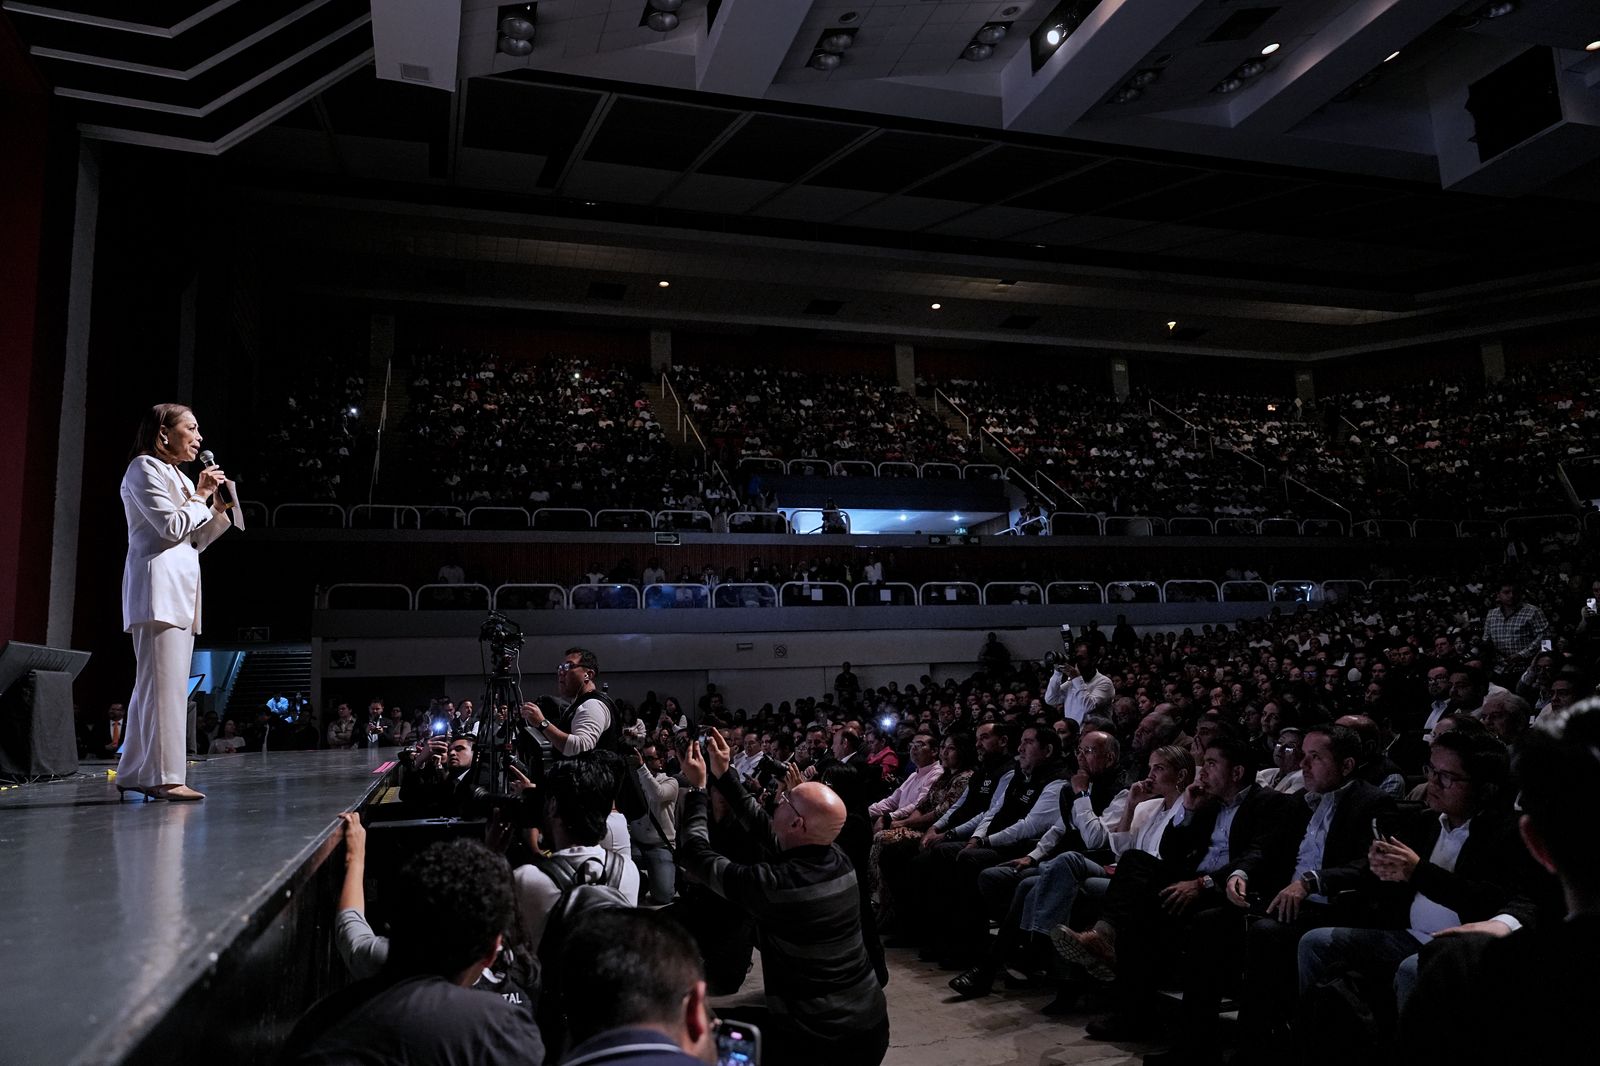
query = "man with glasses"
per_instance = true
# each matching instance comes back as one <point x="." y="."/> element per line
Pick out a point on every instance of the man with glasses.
<point x="926" y="769"/>
<point x="824" y="1002"/>
<point x="1459" y="863"/>
<point x="1284" y="775"/>
<point x="588" y="721"/>
<point x="442" y="778"/>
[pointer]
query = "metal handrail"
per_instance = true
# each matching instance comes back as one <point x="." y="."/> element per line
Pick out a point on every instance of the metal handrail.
<point x="710" y="522"/>
<point x="1166" y="597"/>
<point x="396" y="510"/>
<point x="734" y="585"/>
<point x="1037" y="491"/>
<point x="344" y="518"/>
<point x="668" y="389"/>
<point x="1321" y="496"/>
<point x="638" y="602"/>
<point x="883" y="586"/>
<point x="1039" y="470"/>
<point x="924" y="600"/>
<point x="1099" y="588"/>
<point x="411" y="599"/>
<point x="1135" y="583"/>
<point x="1194" y="430"/>
<point x="727" y="483"/>
<point x="588" y="516"/>
<point x="508" y="511"/>
<point x="983" y="593"/>
<point x="488" y="596"/>
<point x="495" y="596"/>
<point x="940" y="394"/>
<point x="807" y="586"/>
<point x="797" y="512"/>
<point x="702" y="587"/>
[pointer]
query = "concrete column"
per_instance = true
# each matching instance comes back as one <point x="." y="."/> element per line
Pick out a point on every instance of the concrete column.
<point x="1119" y="377"/>
<point x="74" y="400"/>
<point x="1305" y="385"/>
<point x="661" y="350"/>
<point x="1494" y="359"/>
<point x="905" y="367"/>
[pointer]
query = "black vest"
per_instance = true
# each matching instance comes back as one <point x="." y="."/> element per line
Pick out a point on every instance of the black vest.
<point x="610" y="738"/>
<point x="1101" y="793"/>
<point x="1022" y="794"/>
<point x="980" y="791"/>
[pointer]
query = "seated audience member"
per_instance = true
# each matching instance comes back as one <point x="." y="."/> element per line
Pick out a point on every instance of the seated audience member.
<point x="229" y="742"/>
<point x="1284" y="775"/>
<point x="824" y="1002"/>
<point x="925" y="770"/>
<point x="1330" y="858"/>
<point x="1459" y="862"/>
<point x="1376" y="768"/>
<point x="1506" y="716"/>
<point x="1155" y="906"/>
<point x="635" y="992"/>
<point x="342" y="730"/>
<point x="895" y="845"/>
<point x="1026" y="805"/>
<point x="420" y="1010"/>
<point x="1541" y="980"/>
<point x="1089" y="811"/>
<point x="654" y="835"/>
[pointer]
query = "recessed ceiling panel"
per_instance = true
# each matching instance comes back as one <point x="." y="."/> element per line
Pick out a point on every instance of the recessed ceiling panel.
<point x="895" y="160"/>
<point x="658" y="134"/>
<point x="778" y="148"/>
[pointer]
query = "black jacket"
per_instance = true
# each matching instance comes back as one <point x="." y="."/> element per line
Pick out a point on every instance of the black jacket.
<point x="1344" y="852"/>
<point x="1263" y="836"/>
<point x="1494" y="873"/>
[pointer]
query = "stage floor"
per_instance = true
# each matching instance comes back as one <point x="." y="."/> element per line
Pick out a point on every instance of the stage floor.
<point x="110" y="912"/>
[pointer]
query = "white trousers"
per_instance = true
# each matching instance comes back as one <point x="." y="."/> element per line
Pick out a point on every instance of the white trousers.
<point x="158" y="713"/>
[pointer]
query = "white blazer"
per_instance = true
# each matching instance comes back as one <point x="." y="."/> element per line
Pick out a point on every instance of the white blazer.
<point x="161" y="581"/>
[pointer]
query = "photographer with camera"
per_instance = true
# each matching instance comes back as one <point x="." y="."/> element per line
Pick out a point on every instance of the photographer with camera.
<point x="439" y="775"/>
<point x="654" y="835"/>
<point x="589" y="720"/>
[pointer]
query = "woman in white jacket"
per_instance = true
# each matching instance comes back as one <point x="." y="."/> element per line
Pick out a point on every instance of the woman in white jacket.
<point x="170" y="521"/>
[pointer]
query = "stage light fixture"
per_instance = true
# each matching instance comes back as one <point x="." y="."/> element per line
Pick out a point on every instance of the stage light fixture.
<point x="1592" y="46"/>
<point x="837" y="42"/>
<point x="824" y="60"/>
<point x="1055" y="35"/>
<point x="1250" y="68"/>
<point x="1145" y="78"/>
<point x="1271" y="48"/>
<point x="662" y="21"/>
<point x="515" y="46"/>
<point x="935" y="306"/>
<point x="993" y="33"/>
<point x="666" y="5"/>
<point x="1229" y="85"/>
<point x="1391" y="56"/>
<point x="664" y="284"/>
<point x="1172" y="325"/>
<point x="1127" y="95"/>
<point x="516" y="24"/>
<point x="977" y="53"/>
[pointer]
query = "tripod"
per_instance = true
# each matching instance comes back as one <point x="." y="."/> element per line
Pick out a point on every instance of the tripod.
<point x="492" y="755"/>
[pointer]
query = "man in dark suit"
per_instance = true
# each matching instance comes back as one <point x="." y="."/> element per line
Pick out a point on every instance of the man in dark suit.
<point x="1337" y="814"/>
<point x="1156" y="906"/>
<point x="1542" y="981"/>
<point x="1456" y="864"/>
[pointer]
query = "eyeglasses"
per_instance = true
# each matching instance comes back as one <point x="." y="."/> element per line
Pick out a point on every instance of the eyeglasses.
<point x="1286" y="747"/>
<point x="1091" y="751"/>
<point x="565" y="666"/>
<point x="1446" y="778"/>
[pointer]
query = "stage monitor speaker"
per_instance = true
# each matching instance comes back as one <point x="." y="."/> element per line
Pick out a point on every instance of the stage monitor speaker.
<point x="37" y="732"/>
<point x="36" y="728"/>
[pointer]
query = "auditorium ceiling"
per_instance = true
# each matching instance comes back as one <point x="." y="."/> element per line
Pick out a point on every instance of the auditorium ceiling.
<point x="1319" y="200"/>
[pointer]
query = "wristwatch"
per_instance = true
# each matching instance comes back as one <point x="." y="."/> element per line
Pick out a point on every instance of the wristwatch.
<point x="542" y="724"/>
<point x="1207" y="881"/>
<point x="1309" y="879"/>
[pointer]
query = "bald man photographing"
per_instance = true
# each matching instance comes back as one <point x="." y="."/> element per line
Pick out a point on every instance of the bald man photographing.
<point x="824" y="1003"/>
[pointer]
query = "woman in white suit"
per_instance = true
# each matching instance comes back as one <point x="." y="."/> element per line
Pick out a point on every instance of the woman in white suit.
<point x="170" y="521"/>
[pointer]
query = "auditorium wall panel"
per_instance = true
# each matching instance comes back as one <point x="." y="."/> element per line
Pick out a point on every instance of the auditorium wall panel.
<point x="784" y="351"/>
<point x="520" y="336"/>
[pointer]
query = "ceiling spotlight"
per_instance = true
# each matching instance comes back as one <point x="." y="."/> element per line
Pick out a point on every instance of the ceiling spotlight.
<point x="1054" y="35"/>
<point x="1391" y="55"/>
<point x="515" y="46"/>
<point x="662" y="21"/>
<point x="664" y="284"/>
<point x="1498" y="9"/>
<point x="1228" y="85"/>
<point x="1172" y="325"/>
<point x="837" y="42"/>
<point x="1592" y="46"/>
<point x="1145" y="78"/>
<point x="935" y="306"/>
<point x="1127" y="95"/>
<point x="1250" y="68"/>
<point x="824" y="60"/>
<point x="976" y="52"/>
<point x="1271" y="48"/>
<point x="993" y="33"/>
<point x="518" y="27"/>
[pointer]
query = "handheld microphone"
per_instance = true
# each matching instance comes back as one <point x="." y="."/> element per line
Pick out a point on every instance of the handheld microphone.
<point x="207" y="461"/>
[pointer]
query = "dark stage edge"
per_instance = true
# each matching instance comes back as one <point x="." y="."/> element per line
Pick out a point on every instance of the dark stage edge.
<point x="112" y="913"/>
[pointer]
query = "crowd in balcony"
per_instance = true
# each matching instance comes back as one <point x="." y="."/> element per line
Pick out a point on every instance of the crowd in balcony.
<point x="313" y="438"/>
<point x="555" y="432"/>
<point x="770" y="413"/>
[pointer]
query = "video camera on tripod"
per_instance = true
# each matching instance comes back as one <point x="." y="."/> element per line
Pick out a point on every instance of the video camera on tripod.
<point x="502" y="640"/>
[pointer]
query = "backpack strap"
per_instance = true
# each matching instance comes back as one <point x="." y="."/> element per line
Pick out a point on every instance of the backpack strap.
<point x="612" y="870"/>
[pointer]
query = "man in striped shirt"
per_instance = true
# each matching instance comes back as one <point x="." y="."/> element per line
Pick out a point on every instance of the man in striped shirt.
<point x="824" y="1003"/>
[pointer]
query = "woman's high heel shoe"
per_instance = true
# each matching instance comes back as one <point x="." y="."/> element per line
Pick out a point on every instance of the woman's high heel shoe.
<point x="123" y="790"/>
<point x="176" y="793"/>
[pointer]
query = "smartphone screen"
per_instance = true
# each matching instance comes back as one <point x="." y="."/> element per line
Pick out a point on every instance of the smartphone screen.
<point x="738" y="1044"/>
